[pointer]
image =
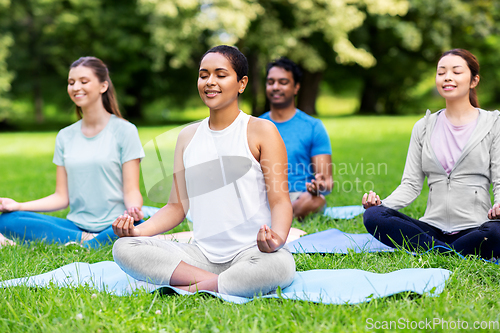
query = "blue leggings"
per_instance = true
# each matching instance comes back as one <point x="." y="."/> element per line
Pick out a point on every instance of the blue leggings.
<point x="394" y="228"/>
<point x="30" y="226"/>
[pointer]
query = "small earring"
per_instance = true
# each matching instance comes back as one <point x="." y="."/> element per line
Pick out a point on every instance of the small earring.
<point x="241" y="90"/>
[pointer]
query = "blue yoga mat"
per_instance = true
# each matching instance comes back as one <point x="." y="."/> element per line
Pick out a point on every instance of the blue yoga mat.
<point x="343" y="212"/>
<point x="321" y="286"/>
<point x="336" y="241"/>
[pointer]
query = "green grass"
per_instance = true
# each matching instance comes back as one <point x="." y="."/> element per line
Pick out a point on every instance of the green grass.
<point x="358" y="143"/>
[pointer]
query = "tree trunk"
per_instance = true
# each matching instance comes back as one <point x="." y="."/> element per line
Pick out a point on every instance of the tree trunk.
<point x="369" y="98"/>
<point x="37" y="64"/>
<point x="309" y="88"/>
<point x="134" y="111"/>
<point x="255" y="83"/>
<point x="38" y="98"/>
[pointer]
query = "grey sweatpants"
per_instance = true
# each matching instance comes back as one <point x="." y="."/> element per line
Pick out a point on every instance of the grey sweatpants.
<point x="250" y="273"/>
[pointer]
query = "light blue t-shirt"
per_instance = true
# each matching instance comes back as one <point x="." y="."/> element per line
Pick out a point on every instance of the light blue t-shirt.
<point x="94" y="169"/>
<point x="304" y="137"/>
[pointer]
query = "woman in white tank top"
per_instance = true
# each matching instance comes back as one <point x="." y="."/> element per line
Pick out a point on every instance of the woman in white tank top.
<point x="230" y="172"/>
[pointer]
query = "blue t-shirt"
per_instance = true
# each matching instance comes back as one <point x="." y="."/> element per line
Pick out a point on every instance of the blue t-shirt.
<point x="304" y="137"/>
<point x="94" y="170"/>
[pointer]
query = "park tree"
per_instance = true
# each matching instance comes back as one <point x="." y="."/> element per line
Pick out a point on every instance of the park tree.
<point x="5" y="75"/>
<point x="49" y="35"/>
<point x="484" y="42"/>
<point x="182" y="30"/>
<point x="307" y="31"/>
<point x="31" y="23"/>
<point x="152" y="47"/>
<point x="315" y="34"/>
<point x="407" y="48"/>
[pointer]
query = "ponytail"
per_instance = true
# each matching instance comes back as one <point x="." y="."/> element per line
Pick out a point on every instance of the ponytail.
<point x="473" y="98"/>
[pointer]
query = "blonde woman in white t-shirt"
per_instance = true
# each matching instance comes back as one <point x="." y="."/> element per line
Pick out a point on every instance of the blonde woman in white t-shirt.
<point x="97" y="162"/>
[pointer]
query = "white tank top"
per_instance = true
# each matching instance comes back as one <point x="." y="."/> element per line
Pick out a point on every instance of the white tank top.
<point x="227" y="193"/>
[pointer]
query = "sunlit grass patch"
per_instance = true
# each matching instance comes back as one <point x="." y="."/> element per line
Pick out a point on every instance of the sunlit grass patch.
<point x="27" y="173"/>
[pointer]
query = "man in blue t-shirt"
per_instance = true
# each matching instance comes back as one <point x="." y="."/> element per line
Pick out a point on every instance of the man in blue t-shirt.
<point x="307" y="143"/>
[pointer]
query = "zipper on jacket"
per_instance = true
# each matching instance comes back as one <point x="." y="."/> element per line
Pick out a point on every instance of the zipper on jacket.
<point x="475" y="202"/>
<point x="447" y="202"/>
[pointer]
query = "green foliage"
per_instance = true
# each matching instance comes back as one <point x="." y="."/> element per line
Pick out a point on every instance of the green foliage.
<point x="407" y="48"/>
<point x="275" y="27"/>
<point x="5" y="77"/>
<point x="50" y="34"/>
<point x="385" y="48"/>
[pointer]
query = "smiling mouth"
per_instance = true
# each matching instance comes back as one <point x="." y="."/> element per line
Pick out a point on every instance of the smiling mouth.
<point x="449" y="87"/>
<point x="212" y="93"/>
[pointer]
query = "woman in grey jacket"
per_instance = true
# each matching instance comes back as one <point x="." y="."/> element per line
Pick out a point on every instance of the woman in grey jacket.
<point x="458" y="150"/>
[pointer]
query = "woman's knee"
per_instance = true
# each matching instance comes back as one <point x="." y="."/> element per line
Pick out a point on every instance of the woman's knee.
<point x="105" y="237"/>
<point x="260" y="274"/>
<point x="491" y="230"/>
<point x="13" y="216"/>
<point x="373" y="217"/>
<point x="122" y="249"/>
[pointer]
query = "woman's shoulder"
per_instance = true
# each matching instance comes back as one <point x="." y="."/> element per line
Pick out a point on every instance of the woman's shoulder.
<point x="259" y="126"/>
<point x="122" y="129"/>
<point x="70" y="130"/>
<point x="425" y="124"/>
<point x="189" y="130"/>
<point x="492" y="115"/>
<point x="121" y="124"/>
<point x="428" y="119"/>
<point x="258" y="122"/>
<point x="187" y="133"/>
<point x="489" y="121"/>
<point x="262" y="132"/>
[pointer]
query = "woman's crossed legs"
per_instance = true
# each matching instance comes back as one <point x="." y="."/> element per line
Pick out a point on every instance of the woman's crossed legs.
<point x="394" y="228"/>
<point x="185" y="266"/>
<point x="30" y="226"/>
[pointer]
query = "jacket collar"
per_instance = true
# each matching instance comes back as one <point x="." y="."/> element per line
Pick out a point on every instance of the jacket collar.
<point x="485" y="122"/>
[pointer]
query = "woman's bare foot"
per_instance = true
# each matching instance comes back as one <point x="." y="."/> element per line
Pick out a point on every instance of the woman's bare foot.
<point x="86" y="236"/>
<point x="5" y="241"/>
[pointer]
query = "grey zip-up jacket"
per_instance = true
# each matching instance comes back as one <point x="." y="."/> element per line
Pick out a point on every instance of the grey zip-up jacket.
<point x="460" y="200"/>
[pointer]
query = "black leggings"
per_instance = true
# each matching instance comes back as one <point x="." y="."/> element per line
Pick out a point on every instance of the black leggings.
<point x="396" y="229"/>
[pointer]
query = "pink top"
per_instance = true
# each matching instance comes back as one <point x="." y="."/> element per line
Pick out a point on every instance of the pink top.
<point x="449" y="140"/>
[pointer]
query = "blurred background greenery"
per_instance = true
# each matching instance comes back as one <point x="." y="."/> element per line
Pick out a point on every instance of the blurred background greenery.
<point x="358" y="56"/>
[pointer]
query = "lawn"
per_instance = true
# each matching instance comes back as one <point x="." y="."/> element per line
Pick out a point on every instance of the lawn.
<point x="368" y="152"/>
